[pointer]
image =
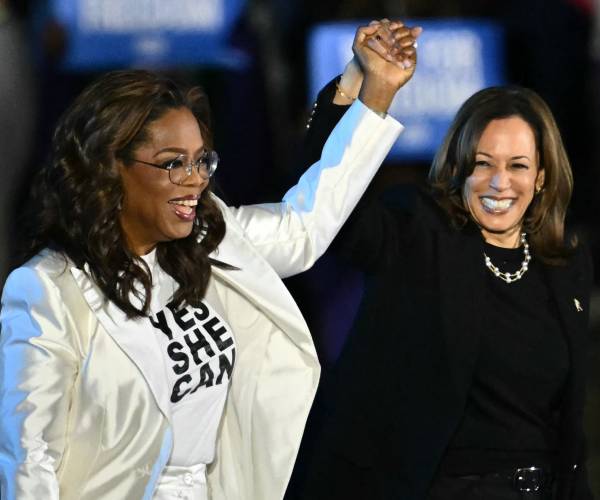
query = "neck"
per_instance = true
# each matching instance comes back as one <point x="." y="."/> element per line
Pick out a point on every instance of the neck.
<point x="510" y="239"/>
<point x="136" y="243"/>
<point x="139" y="248"/>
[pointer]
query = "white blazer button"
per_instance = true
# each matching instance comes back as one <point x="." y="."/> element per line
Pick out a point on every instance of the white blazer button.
<point x="188" y="479"/>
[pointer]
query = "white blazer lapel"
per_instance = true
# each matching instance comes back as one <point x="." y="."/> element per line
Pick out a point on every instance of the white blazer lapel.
<point x="134" y="336"/>
<point x="260" y="284"/>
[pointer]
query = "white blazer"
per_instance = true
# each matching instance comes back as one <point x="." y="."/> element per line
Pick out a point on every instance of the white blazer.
<point x="84" y="404"/>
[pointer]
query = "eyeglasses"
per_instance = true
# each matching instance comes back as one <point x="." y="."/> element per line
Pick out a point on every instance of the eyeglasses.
<point x="180" y="168"/>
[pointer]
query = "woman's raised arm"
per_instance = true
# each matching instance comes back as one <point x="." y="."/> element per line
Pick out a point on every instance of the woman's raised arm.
<point x="292" y="234"/>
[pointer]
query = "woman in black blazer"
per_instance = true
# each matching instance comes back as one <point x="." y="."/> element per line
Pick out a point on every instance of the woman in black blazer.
<point x="463" y="377"/>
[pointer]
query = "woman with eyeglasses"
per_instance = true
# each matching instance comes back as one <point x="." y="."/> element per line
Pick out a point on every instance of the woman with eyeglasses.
<point x="148" y="346"/>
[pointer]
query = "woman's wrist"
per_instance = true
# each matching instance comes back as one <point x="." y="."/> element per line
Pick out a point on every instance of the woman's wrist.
<point x="377" y="94"/>
<point x="348" y="86"/>
<point x="342" y="96"/>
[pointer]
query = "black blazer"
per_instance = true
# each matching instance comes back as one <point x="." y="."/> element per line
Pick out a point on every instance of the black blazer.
<point x="401" y="384"/>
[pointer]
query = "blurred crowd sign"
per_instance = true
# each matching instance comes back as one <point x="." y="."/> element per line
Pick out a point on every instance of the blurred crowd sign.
<point x="164" y="33"/>
<point x="456" y="58"/>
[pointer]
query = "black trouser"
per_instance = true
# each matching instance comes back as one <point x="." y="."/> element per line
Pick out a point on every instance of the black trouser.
<point x="481" y="488"/>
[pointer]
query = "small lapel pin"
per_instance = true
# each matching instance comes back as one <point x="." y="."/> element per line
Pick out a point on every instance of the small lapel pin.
<point x="578" y="305"/>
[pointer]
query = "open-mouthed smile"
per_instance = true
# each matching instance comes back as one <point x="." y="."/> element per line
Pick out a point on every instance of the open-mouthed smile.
<point x="185" y="207"/>
<point x="495" y="205"/>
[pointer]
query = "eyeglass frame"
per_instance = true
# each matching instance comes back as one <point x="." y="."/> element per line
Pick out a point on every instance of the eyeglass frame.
<point x="211" y="164"/>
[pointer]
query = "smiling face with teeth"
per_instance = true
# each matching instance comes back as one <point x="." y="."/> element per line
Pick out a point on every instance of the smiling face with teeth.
<point x="504" y="180"/>
<point x="154" y="209"/>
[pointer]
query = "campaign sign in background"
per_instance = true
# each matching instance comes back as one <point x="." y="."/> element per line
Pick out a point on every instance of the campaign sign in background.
<point x="160" y="33"/>
<point x="455" y="59"/>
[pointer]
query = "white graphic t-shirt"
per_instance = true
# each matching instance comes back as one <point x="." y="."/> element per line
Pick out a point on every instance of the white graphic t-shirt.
<point x="199" y="354"/>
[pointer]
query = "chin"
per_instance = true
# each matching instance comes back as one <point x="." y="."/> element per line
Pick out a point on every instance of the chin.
<point x="178" y="234"/>
<point x="502" y="231"/>
<point x="495" y="226"/>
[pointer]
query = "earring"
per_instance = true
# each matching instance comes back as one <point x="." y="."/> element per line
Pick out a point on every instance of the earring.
<point x="538" y="189"/>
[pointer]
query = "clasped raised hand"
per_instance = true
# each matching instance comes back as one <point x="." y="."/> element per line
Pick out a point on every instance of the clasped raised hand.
<point x="385" y="54"/>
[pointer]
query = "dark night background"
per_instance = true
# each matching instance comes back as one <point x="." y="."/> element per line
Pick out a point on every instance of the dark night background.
<point x="259" y="113"/>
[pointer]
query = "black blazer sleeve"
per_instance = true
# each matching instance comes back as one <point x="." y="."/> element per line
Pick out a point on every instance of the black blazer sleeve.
<point x="324" y="116"/>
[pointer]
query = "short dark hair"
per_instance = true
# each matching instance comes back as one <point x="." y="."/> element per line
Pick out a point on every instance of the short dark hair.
<point x="455" y="160"/>
<point x="78" y="193"/>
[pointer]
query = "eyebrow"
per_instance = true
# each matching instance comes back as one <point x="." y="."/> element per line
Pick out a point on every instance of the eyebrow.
<point x="513" y="158"/>
<point x="182" y="151"/>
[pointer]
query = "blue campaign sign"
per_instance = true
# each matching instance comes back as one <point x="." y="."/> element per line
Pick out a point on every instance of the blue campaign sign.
<point x="160" y="33"/>
<point x="455" y="59"/>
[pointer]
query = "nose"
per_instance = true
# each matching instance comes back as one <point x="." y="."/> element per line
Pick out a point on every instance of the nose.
<point x="500" y="180"/>
<point x="197" y="178"/>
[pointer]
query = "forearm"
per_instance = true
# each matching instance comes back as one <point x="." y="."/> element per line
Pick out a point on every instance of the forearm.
<point x="291" y="235"/>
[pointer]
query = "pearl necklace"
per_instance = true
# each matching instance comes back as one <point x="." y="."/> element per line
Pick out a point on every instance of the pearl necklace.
<point x="517" y="275"/>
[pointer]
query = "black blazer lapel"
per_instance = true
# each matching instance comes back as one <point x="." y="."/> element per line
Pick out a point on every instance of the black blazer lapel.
<point x="462" y="274"/>
<point x="571" y="295"/>
<point x="570" y="288"/>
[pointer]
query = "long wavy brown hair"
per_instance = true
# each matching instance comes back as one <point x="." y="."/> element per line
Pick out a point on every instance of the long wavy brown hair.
<point x="77" y="194"/>
<point x="544" y="219"/>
